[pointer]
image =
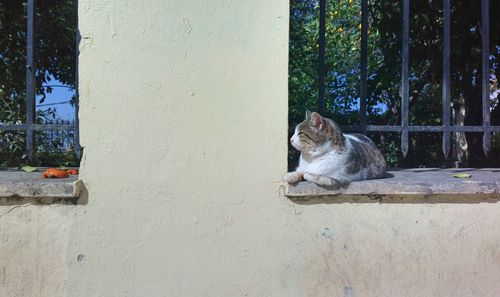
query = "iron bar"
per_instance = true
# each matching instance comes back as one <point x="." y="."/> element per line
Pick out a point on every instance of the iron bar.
<point x="55" y="127"/>
<point x="30" y="80"/>
<point x="405" y="88"/>
<point x="485" y="74"/>
<point x="446" y="77"/>
<point x="383" y="128"/>
<point x="38" y="127"/>
<point x="78" y="149"/>
<point x="364" y="64"/>
<point x="321" y="62"/>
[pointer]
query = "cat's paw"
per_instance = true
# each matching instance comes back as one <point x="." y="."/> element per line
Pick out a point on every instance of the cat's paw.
<point x="321" y="180"/>
<point x="311" y="177"/>
<point x="293" y="177"/>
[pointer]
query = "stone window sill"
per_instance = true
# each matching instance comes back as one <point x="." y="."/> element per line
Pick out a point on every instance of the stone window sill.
<point x="426" y="185"/>
<point x="29" y="187"/>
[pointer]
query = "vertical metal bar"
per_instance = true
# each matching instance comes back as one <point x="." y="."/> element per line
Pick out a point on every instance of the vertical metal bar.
<point x="321" y="64"/>
<point x="364" y="65"/>
<point x="485" y="74"/>
<point x="405" y="87"/>
<point x="446" y="77"/>
<point x="78" y="149"/>
<point x="30" y="80"/>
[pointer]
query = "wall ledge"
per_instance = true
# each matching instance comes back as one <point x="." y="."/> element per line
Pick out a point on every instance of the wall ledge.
<point x="18" y="187"/>
<point x="421" y="185"/>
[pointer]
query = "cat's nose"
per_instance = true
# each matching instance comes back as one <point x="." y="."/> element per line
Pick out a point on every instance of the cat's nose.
<point x="291" y="140"/>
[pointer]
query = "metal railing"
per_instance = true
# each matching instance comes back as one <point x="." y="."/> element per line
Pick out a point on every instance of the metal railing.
<point x="404" y="128"/>
<point x="30" y="126"/>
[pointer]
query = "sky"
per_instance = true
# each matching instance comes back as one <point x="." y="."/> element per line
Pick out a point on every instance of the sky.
<point x="59" y="99"/>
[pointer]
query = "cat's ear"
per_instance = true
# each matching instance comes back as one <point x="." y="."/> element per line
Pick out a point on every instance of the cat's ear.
<point x="308" y="115"/>
<point x="316" y="120"/>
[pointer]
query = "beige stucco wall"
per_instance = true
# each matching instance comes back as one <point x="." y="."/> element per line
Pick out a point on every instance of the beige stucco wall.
<point x="184" y="121"/>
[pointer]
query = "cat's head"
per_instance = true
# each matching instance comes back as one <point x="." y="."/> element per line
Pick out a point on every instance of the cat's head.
<point x="316" y="134"/>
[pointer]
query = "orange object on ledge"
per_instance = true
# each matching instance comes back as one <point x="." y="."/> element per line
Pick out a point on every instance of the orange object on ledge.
<point x="55" y="173"/>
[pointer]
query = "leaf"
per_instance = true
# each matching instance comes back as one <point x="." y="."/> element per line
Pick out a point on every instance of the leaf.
<point x="462" y="175"/>
<point x="42" y="100"/>
<point x="29" y="168"/>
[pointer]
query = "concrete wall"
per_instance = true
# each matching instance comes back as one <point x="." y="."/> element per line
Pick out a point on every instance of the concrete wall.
<point x="183" y="120"/>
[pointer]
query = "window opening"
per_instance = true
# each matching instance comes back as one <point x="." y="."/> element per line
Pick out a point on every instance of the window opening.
<point x="419" y="77"/>
<point x="39" y="83"/>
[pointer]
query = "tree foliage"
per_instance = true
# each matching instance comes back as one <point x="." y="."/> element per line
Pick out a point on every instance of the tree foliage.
<point x="384" y="68"/>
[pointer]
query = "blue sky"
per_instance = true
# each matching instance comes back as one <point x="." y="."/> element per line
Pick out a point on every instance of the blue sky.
<point x="59" y="99"/>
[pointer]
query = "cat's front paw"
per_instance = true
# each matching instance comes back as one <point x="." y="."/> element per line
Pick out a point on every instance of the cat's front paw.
<point x="321" y="180"/>
<point x="293" y="177"/>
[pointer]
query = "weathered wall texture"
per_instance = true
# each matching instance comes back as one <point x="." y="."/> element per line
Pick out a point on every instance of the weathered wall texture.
<point x="183" y="120"/>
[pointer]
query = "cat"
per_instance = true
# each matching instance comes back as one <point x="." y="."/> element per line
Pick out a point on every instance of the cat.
<point x="331" y="158"/>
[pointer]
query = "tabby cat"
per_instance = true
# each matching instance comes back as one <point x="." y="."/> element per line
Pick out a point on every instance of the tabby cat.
<point x="329" y="157"/>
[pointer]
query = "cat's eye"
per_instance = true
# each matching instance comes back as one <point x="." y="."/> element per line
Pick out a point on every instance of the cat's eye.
<point x="300" y="133"/>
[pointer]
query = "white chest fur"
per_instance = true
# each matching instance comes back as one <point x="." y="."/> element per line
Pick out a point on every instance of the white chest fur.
<point x="332" y="164"/>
